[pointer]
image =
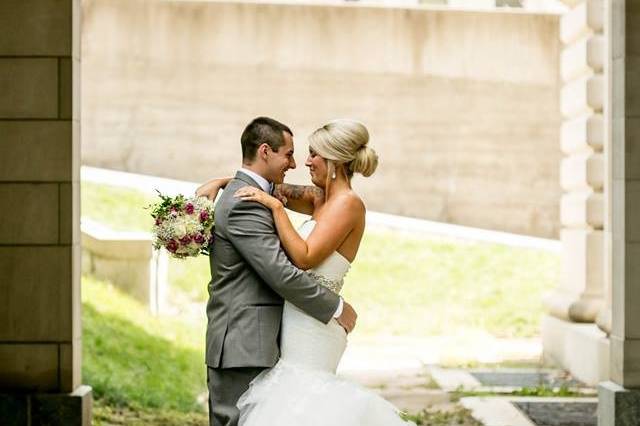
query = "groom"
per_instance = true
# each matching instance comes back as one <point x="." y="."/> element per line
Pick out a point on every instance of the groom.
<point x="252" y="276"/>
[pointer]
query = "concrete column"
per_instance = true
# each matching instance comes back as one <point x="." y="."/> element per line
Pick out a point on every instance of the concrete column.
<point x="620" y="397"/>
<point x="570" y="337"/>
<point x="579" y="296"/>
<point x="40" y="332"/>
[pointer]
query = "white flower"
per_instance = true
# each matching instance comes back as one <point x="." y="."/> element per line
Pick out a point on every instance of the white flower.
<point x="192" y="226"/>
<point x="180" y="230"/>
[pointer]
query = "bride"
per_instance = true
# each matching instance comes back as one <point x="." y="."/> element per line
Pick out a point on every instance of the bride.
<point x="302" y="388"/>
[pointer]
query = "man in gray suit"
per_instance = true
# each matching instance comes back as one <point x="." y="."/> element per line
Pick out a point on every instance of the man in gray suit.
<point x="252" y="276"/>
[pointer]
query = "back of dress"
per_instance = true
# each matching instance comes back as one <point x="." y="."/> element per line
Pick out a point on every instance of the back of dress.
<point x="305" y="341"/>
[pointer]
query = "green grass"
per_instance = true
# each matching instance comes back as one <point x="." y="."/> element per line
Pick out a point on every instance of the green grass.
<point x="133" y="359"/>
<point x="121" y="209"/>
<point x="456" y="416"/>
<point x="534" y="391"/>
<point x="109" y="415"/>
<point x="399" y="284"/>
<point x="190" y="276"/>
<point x="403" y="285"/>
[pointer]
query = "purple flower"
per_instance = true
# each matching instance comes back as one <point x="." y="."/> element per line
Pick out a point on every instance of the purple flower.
<point x="158" y="221"/>
<point x="189" y="208"/>
<point x="199" y="238"/>
<point x="172" y="246"/>
<point x="185" y="240"/>
<point x="204" y="216"/>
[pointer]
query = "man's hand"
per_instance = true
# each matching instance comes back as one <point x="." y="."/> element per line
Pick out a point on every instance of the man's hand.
<point x="348" y="318"/>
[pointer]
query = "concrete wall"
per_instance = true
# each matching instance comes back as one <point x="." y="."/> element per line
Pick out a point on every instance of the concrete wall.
<point x="462" y="106"/>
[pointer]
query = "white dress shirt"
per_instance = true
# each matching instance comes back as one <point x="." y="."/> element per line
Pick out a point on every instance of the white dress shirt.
<point x="264" y="184"/>
<point x="267" y="187"/>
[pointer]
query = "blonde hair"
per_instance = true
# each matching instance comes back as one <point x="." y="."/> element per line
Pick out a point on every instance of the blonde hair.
<point x="345" y="141"/>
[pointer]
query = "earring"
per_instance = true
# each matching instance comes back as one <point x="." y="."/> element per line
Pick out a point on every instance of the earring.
<point x="334" y="174"/>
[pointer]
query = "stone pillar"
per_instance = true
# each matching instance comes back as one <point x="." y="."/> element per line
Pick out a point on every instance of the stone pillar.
<point x="568" y="331"/>
<point x="620" y="397"/>
<point x="580" y="294"/>
<point x="40" y="332"/>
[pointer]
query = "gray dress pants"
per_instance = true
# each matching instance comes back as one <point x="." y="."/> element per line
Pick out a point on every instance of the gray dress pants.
<point x="225" y="387"/>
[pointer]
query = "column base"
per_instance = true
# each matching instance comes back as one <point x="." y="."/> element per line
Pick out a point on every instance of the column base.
<point x="22" y="409"/>
<point x="618" y="406"/>
<point x="582" y="349"/>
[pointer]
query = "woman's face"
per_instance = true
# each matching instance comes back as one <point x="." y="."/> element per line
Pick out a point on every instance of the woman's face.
<point x="317" y="168"/>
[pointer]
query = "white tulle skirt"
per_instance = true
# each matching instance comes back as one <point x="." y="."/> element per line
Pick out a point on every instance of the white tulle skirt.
<point x="303" y="390"/>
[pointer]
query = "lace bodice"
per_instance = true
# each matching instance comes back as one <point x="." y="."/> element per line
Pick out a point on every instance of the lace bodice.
<point x="331" y="272"/>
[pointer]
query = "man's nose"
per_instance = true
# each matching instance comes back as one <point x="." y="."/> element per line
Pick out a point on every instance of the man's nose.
<point x="292" y="163"/>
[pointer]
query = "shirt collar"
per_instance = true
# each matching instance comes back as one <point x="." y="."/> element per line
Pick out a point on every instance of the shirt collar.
<point x="264" y="184"/>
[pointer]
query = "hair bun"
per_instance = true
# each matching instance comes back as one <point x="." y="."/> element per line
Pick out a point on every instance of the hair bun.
<point x="365" y="161"/>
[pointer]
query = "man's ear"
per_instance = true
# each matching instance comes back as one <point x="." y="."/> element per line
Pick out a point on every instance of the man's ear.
<point x="263" y="151"/>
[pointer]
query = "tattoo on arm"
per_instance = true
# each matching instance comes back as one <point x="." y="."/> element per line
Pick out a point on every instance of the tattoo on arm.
<point x="299" y="192"/>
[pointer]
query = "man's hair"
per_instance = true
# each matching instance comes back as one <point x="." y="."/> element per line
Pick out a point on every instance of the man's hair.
<point x="262" y="130"/>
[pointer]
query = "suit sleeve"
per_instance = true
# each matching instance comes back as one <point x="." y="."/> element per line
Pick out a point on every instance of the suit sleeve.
<point x="251" y="230"/>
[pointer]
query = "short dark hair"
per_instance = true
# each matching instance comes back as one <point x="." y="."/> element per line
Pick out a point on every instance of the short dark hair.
<point x="262" y="130"/>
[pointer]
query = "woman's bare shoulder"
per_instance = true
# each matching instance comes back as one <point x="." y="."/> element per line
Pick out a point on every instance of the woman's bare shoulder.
<point x="349" y="203"/>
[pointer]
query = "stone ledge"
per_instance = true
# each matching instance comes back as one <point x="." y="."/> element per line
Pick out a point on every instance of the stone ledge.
<point x="124" y="245"/>
<point x="128" y="260"/>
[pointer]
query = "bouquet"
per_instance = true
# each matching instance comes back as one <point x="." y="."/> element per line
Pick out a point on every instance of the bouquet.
<point x="184" y="226"/>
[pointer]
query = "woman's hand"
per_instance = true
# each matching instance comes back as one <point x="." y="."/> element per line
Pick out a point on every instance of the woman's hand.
<point x="249" y="193"/>
<point x="210" y="189"/>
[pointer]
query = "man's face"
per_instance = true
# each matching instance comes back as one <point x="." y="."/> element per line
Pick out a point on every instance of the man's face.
<point x="278" y="162"/>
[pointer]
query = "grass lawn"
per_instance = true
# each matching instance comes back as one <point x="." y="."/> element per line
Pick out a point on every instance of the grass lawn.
<point x="135" y="360"/>
<point x="400" y="284"/>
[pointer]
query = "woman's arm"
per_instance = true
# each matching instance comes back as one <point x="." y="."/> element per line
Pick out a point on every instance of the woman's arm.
<point x="328" y="235"/>
<point x="210" y="189"/>
<point x="299" y="198"/>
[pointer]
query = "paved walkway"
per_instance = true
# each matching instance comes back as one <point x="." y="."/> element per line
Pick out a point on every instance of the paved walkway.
<point x="398" y="368"/>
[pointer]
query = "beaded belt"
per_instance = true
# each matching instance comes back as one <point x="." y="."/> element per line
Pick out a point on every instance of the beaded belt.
<point x="333" y="285"/>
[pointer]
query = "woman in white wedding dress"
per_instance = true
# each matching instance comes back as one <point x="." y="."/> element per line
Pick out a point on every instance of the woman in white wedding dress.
<point x="303" y="389"/>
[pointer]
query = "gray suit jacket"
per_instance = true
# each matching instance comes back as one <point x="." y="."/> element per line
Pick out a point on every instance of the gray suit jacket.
<point x="251" y="275"/>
